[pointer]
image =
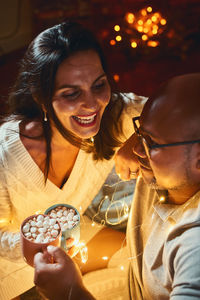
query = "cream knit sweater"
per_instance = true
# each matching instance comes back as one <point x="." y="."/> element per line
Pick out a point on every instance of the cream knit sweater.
<point x="23" y="193"/>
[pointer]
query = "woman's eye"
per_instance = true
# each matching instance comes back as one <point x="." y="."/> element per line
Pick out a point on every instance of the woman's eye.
<point x="100" y="85"/>
<point x="70" y="95"/>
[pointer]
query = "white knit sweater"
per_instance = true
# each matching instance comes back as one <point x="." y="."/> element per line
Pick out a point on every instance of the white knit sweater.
<point x="23" y="193"/>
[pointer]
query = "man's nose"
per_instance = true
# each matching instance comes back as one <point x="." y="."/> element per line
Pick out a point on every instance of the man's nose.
<point x="138" y="148"/>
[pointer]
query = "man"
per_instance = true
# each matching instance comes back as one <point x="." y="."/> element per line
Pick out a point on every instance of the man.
<point x="164" y="224"/>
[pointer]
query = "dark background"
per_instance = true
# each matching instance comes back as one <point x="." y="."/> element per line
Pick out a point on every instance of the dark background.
<point x="139" y="69"/>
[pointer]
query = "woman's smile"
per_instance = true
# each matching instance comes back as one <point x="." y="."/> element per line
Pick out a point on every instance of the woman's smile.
<point x="81" y="94"/>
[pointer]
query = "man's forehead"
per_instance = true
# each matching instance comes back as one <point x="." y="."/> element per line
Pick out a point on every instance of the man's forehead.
<point x="176" y="104"/>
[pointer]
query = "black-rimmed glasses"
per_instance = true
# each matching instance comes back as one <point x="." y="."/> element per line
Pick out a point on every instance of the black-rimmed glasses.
<point x="149" y="144"/>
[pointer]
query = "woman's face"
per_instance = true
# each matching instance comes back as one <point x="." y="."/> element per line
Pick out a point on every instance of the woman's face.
<point x="81" y="93"/>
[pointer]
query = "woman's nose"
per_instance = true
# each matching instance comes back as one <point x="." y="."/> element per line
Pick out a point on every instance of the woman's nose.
<point x="90" y="101"/>
<point x="138" y="148"/>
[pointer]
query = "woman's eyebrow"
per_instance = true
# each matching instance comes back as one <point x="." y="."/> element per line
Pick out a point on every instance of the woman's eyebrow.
<point x="68" y="86"/>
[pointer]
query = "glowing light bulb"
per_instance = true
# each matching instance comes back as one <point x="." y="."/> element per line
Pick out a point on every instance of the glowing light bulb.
<point x="93" y="224"/>
<point x="133" y="44"/>
<point x="154" y="18"/>
<point x="140" y="28"/>
<point x="105" y="257"/>
<point x="162" y="199"/>
<point x="83" y="252"/>
<point x="163" y="22"/>
<point x="118" y="38"/>
<point x="116" y="77"/>
<point x="112" y="42"/>
<point x="117" y="28"/>
<point x="152" y="43"/>
<point x="149" y="22"/>
<point x="149" y="9"/>
<point x="154" y="31"/>
<point x="145" y="30"/>
<point x="122" y="268"/>
<point x="130" y="18"/>
<point x="140" y="22"/>
<point x="144" y="37"/>
<point x="143" y="12"/>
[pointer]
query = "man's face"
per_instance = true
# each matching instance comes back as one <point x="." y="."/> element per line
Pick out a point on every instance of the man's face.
<point x="164" y="168"/>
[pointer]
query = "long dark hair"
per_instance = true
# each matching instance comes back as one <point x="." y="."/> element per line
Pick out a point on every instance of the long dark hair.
<point x="36" y="81"/>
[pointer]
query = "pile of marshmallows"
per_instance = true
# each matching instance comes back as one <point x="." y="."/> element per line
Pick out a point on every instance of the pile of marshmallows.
<point x="45" y="228"/>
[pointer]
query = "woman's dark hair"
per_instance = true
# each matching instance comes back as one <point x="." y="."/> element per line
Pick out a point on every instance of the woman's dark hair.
<point x="34" y="88"/>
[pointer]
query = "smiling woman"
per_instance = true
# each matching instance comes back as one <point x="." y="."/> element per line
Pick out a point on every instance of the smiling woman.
<point x="59" y="138"/>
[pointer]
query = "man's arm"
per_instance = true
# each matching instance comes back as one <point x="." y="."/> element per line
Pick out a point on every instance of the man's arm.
<point x="60" y="280"/>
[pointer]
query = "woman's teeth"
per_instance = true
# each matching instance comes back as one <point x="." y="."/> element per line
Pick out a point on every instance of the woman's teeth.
<point x="85" y="120"/>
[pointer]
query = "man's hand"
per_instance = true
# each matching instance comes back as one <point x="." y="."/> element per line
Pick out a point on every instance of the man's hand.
<point x="126" y="161"/>
<point x="58" y="277"/>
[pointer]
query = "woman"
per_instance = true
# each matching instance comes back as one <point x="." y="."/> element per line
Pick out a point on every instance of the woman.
<point x="61" y="133"/>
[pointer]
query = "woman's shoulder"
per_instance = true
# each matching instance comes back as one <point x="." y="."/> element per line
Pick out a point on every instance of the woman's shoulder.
<point x="129" y="98"/>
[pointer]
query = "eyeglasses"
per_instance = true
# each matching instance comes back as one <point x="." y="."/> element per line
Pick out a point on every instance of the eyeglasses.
<point x="149" y="144"/>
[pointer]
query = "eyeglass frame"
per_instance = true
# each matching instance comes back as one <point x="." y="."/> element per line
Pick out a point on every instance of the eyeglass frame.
<point x="157" y="146"/>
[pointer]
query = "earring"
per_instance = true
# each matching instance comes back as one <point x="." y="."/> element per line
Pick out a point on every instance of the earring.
<point x="92" y="140"/>
<point x="45" y="116"/>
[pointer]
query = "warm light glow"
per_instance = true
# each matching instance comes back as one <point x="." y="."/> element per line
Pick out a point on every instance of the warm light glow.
<point x="133" y="44"/>
<point x="154" y="31"/>
<point x="117" y="28"/>
<point x="144" y="37"/>
<point x="145" y="30"/>
<point x="163" y="22"/>
<point x="118" y="38"/>
<point x="112" y="42"/>
<point x="80" y="208"/>
<point x="93" y="224"/>
<point x="105" y="257"/>
<point x="149" y="22"/>
<point x="152" y="43"/>
<point x="140" y="22"/>
<point x="92" y="139"/>
<point x="130" y="18"/>
<point x="83" y="252"/>
<point x="162" y="199"/>
<point x="3" y="220"/>
<point x="154" y="18"/>
<point x="143" y="12"/>
<point x="149" y="9"/>
<point x="116" y="77"/>
<point x="140" y="28"/>
<point x="122" y="268"/>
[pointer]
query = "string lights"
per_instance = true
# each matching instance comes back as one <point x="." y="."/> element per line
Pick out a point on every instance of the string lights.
<point x="142" y="28"/>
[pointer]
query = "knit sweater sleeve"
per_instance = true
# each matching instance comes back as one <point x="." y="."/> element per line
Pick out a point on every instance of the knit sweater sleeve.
<point x="9" y="238"/>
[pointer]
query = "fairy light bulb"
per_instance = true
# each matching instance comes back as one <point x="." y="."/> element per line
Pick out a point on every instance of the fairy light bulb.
<point x="130" y="18"/>
<point x="112" y="42"/>
<point x="116" y="77"/>
<point x="133" y="44"/>
<point x="149" y="9"/>
<point x="118" y="38"/>
<point x="163" y="22"/>
<point x="105" y="257"/>
<point x="83" y="252"/>
<point x="162" y="199"/>
<point x="117" y="28"/>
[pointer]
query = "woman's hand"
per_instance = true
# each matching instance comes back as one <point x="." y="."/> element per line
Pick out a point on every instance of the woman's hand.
<point x="57" y="276"/>
<point x="126" y="164"/>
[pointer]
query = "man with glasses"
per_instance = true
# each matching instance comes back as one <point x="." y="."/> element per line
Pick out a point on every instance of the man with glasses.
<point x="163" y="233"/>
<point x="164" y="223"/>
